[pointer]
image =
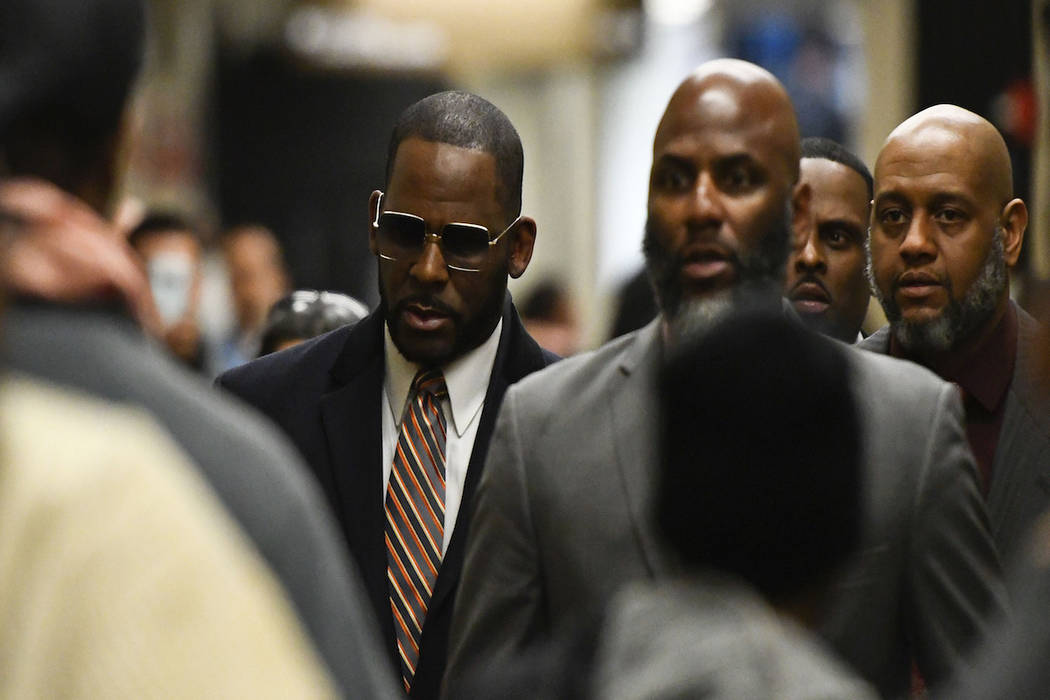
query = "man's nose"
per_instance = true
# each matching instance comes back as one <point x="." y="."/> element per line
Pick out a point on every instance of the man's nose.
<point x="430" y="267"/>
<point x="706" y="202"/>
<point x="809" y="254"/>
<point x="918" y="244"/>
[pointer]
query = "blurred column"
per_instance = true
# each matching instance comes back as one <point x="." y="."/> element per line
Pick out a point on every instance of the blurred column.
<point x="889" y="45"/>
<point x="1039" y="225"/>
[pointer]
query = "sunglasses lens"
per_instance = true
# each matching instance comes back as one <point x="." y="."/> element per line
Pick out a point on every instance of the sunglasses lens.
<point x="399" y="235"/>
<point x="464" y="244"/>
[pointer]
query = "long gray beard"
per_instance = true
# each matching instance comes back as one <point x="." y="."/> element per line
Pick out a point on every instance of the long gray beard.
<point x="960" y="319"/>
<point x="696" y="317"/>
<point x="761" y="279"/>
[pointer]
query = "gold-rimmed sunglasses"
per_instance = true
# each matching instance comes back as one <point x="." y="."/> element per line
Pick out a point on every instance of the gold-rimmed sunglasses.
<point x="401" y="236"/>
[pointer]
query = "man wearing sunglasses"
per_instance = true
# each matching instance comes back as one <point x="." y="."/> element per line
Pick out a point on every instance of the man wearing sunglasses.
<point x="394" y="415"/>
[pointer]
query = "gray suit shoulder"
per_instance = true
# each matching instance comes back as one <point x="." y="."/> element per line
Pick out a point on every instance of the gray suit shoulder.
<point x="573" y="378"/>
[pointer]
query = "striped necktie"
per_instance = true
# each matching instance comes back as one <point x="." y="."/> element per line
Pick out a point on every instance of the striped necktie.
<point x="415" y="514"/>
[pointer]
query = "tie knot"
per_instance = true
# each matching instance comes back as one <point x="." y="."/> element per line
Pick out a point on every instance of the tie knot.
<point x="430" y="381"/>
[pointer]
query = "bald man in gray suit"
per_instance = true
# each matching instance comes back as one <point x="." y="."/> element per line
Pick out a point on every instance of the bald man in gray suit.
<point x="563" y="512"/>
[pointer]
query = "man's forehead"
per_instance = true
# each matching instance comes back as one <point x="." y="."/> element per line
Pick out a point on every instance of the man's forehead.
<point x="831" y="179"/>
<point x="938" y="164"/>
<point x="441" y="172"/>
<point x="720" y="113"/>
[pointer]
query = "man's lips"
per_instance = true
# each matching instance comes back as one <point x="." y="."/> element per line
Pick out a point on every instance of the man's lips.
<point x="423" y="316"/>
<point x="707" y="265"/>
<point x="917" y="285"/>
<point x="810" y="297"/>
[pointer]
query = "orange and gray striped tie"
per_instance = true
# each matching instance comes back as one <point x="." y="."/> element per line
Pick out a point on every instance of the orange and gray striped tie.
<point x="415" y="514"/>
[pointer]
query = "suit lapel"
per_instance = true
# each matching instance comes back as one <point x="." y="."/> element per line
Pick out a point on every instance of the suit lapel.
<point x="1020" y="478"/>
<point x="517" y="355"/>
<point x="353" y="430"/>
<point x="635" y="431"/>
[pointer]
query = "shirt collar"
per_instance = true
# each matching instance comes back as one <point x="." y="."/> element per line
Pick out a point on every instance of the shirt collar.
<point x="986" y="372"/>
<point x="466" y="377"/>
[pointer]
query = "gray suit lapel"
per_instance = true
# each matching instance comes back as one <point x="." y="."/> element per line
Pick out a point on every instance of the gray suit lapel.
<point x="635" y="432"/>
<point x="1021" y="471"/>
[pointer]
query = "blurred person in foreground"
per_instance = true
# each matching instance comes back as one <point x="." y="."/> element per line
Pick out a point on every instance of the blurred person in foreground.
<point x="258" y="280"/>
<point x="121" y="576"/>
<point x="760" y="496"/>
<point x="305" y="314"/>
<point x="825" y="275"/>
<point x="563" y="516"/>
<point x="171" y="250"/>
<point x="945" y="230"/>
<point x="394" y="414"/>
<point x="63" y="95"/>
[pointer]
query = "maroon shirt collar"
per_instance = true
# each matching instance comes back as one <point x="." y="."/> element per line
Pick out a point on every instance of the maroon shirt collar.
<point x="985" y="372"/>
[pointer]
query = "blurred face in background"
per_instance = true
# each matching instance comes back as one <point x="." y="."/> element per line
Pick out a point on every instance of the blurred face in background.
<point x="257" y="274"/>
<point x="825" y="272"/>
<point x="172" y="259"/>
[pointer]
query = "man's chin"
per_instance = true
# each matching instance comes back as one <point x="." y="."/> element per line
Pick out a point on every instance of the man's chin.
<point x="422" y="348"/>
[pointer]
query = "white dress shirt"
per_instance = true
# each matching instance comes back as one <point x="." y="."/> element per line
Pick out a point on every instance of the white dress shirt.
<point x="467" y="379"/>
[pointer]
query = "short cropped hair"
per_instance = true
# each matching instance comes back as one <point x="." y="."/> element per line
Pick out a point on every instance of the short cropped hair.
<point x="820" y="147"/>
<point x="468" y="121"/>
<point x="760" y="455"/>
<point x="159" y="222"/>
<point x="66" y="70"/>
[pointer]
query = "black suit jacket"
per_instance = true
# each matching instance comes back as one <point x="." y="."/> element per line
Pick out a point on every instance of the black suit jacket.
<point x="326" y="395"/>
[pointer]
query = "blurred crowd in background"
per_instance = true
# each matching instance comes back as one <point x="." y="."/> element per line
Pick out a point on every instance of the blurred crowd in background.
<point x="274" y="116"/>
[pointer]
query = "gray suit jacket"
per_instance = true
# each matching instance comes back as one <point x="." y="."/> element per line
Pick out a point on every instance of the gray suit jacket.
<point x="1020" y="488"/>
<point x="252" y="468"/>
<point x="563" y="518"/>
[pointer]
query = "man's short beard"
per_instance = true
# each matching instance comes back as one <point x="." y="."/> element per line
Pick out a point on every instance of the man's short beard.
<point x="759" y="279"/>
<point x="960" y="319"/>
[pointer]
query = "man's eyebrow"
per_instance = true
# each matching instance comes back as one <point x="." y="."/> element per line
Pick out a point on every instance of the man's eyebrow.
<point x="742" y="158"/>
<point x="889" y="195"/>
<point x="952" y="197"/>
<point x="673" y="159"/>
<point x="848" y="224"/>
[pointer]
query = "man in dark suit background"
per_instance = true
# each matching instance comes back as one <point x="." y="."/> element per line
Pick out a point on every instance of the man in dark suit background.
<point x="394" y="415"/>
<point x="945" y="230"/>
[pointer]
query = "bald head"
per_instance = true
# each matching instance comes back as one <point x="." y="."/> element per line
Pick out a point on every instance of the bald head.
<point x="725" y="162"/>
<point x="738" y="92"/>
<point x="957" y="136"/>
<point x="945" y="228"/>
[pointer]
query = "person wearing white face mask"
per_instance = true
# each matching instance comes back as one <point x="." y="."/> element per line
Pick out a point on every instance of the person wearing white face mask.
<point x="171" y="250"/>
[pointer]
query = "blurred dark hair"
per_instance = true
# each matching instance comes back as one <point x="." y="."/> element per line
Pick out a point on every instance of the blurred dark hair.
<point x="544" y="301"/>
<point x="820" y="147"/>
<point x="468" y="121"/>
<point x="66" y="69"/>
<point x="161" y="222"/>
<point x="760" y="454"/>
<point x="306" y="313"/>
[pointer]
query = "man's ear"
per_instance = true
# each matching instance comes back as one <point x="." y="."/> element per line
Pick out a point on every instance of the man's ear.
<point x="373" y="215"/>
<point x="801" y="200"/>
<point x="1014" y="222"/>
<point x="524" y="238"/>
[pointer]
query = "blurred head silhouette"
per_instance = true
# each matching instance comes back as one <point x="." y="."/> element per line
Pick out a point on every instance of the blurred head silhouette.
<point x="66" y="69"/>
<point x="760" y="455"/>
